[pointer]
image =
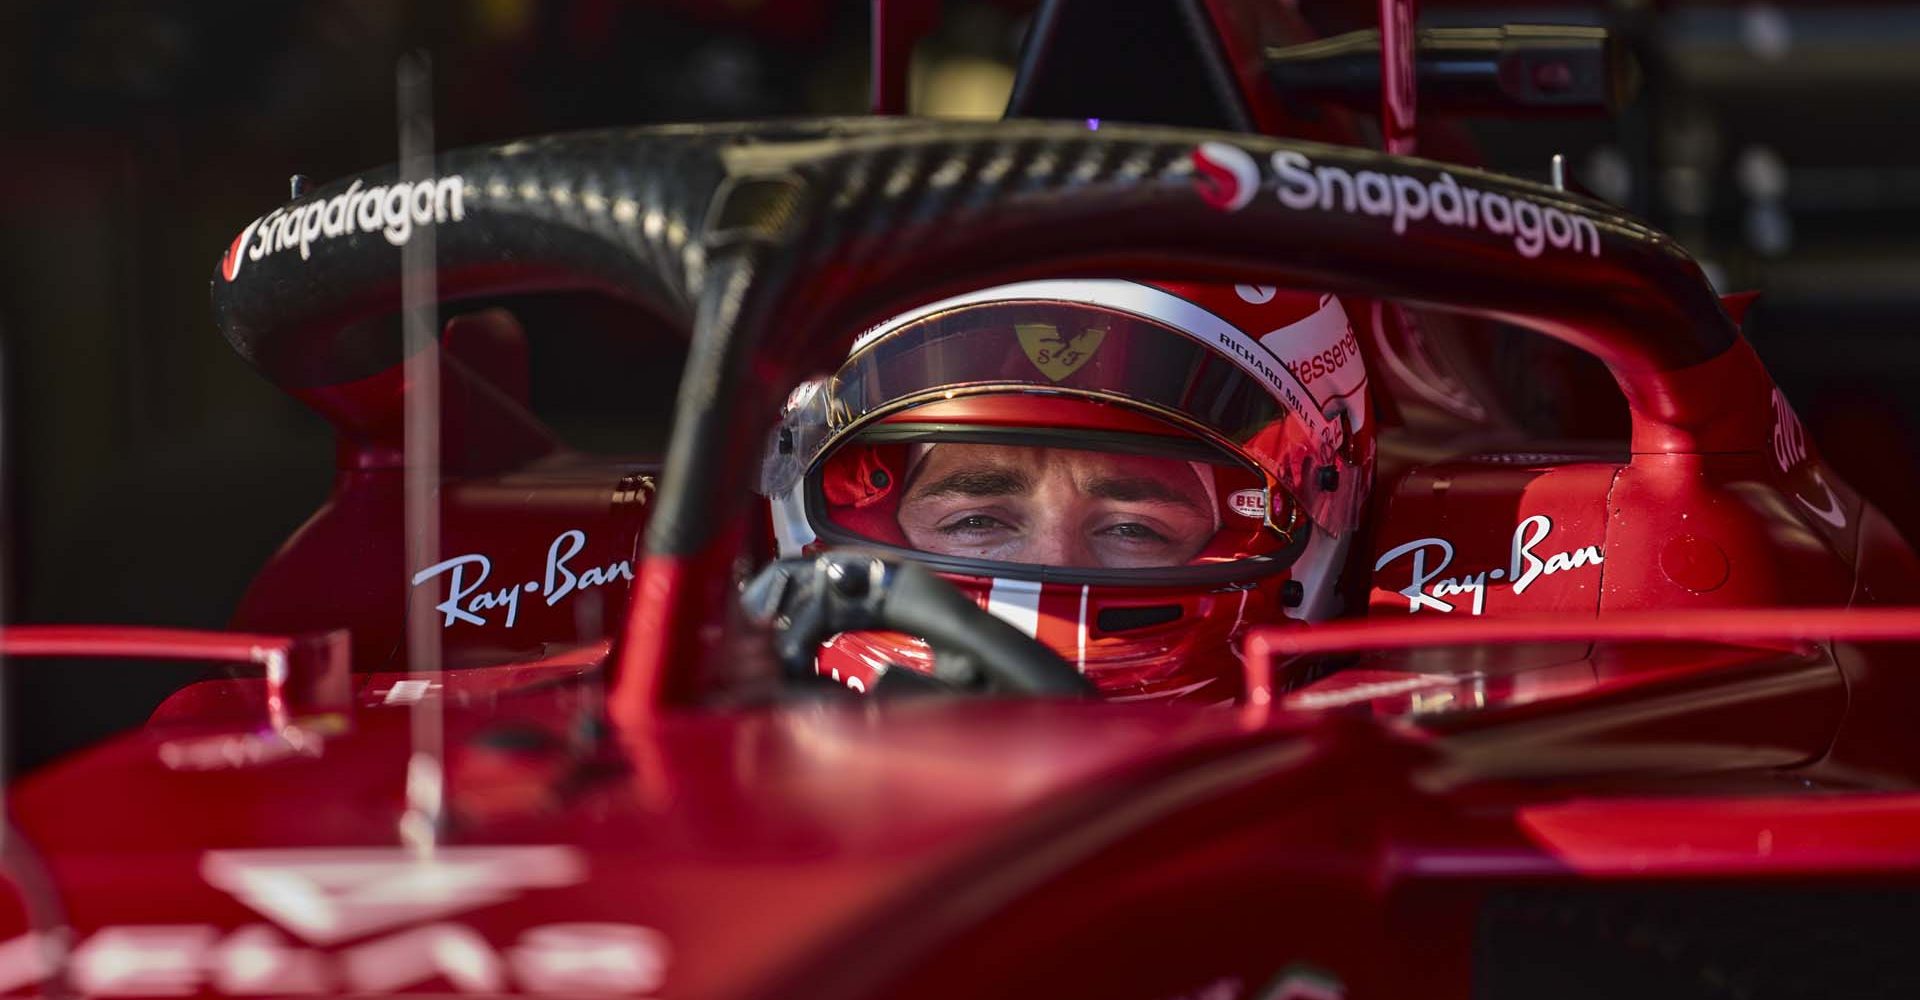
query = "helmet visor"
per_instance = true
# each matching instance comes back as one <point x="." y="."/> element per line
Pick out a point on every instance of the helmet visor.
<point x="1217" y="385"/>
<point x="1055" y="347"/>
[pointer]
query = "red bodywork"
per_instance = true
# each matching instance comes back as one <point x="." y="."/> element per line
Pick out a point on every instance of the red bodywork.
<point x="1670" y="669"/>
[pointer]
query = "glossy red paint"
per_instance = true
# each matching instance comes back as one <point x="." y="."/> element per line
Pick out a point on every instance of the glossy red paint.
<point x="134" y="642"/>
<point x="237" y="700"/>
<point x="1362" y="824"/>
<point x="955" y="847"/>
<point x="650" y="650"/>
<point x="534" y="557"/>
<point x="1756" y="519"/>
<point x="1815" y="691"/>
<point x="1718" y="405"/>
<point x="811" y="815"/>
<point x="1869" y="834"/>
<point x="542" y="538"/>
<point x="667" y="656"/>
<point x="1479" y="537"/>
<point x="1762" y="628"/>
<point x="299" y="674"/>
<point x="539" y="541"/>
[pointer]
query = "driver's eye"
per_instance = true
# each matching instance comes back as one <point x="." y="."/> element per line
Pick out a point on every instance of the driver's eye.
<point x="973" y="524"/>
<point x="1133" y="531"/>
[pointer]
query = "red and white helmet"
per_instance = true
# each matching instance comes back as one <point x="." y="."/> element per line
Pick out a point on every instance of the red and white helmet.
<point x="1240" y="413"/>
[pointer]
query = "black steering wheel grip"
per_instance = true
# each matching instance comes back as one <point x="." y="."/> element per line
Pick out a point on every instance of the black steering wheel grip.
<point x="806" y="601"/>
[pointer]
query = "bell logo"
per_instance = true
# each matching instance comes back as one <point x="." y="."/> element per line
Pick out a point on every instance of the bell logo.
<point x="1056" y="356"/>
<point x="1225" y="176"/>
<point x="1249" y="503"/>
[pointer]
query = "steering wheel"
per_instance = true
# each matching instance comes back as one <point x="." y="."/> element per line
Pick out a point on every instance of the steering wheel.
<point x="806" y="601"/>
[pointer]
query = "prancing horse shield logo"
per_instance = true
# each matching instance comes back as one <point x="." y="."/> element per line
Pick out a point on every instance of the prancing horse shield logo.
<point x="1056" y="356"/>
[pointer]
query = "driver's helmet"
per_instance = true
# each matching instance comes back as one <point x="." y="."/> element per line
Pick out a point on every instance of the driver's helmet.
<point x="1131" y="473"/>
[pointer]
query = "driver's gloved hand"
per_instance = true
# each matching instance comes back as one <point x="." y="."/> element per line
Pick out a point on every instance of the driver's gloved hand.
<point x="807" y="601"/>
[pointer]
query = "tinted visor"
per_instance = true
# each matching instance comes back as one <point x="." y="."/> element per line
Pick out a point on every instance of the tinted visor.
<point x="1044" y="346"/>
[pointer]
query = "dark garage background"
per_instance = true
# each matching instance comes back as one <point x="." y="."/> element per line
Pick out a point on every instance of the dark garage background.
<point x="148" y="471"/>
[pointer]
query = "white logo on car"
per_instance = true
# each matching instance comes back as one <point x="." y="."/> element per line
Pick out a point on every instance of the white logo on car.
<point x="1429" y="589"/>
<point x="467" y="576"/>
<point x="332" y="896"/>
<point x="1226" y="177"/>
<point x="393" y="210"/>
<point x="1790" y="449"/>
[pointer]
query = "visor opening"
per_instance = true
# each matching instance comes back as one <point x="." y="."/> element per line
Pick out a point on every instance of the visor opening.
<point x="1127" y="619"/>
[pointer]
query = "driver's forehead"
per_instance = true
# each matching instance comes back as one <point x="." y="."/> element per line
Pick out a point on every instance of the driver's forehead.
<point x="1036" y="464"/>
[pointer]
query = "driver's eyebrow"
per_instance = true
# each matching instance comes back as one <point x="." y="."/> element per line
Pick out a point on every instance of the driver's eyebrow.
<point x="977" y="482"/>
<point x="1139" y="489"/>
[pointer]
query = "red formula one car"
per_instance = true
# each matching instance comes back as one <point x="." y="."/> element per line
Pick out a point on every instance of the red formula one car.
<point x="1627" y="719"/>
